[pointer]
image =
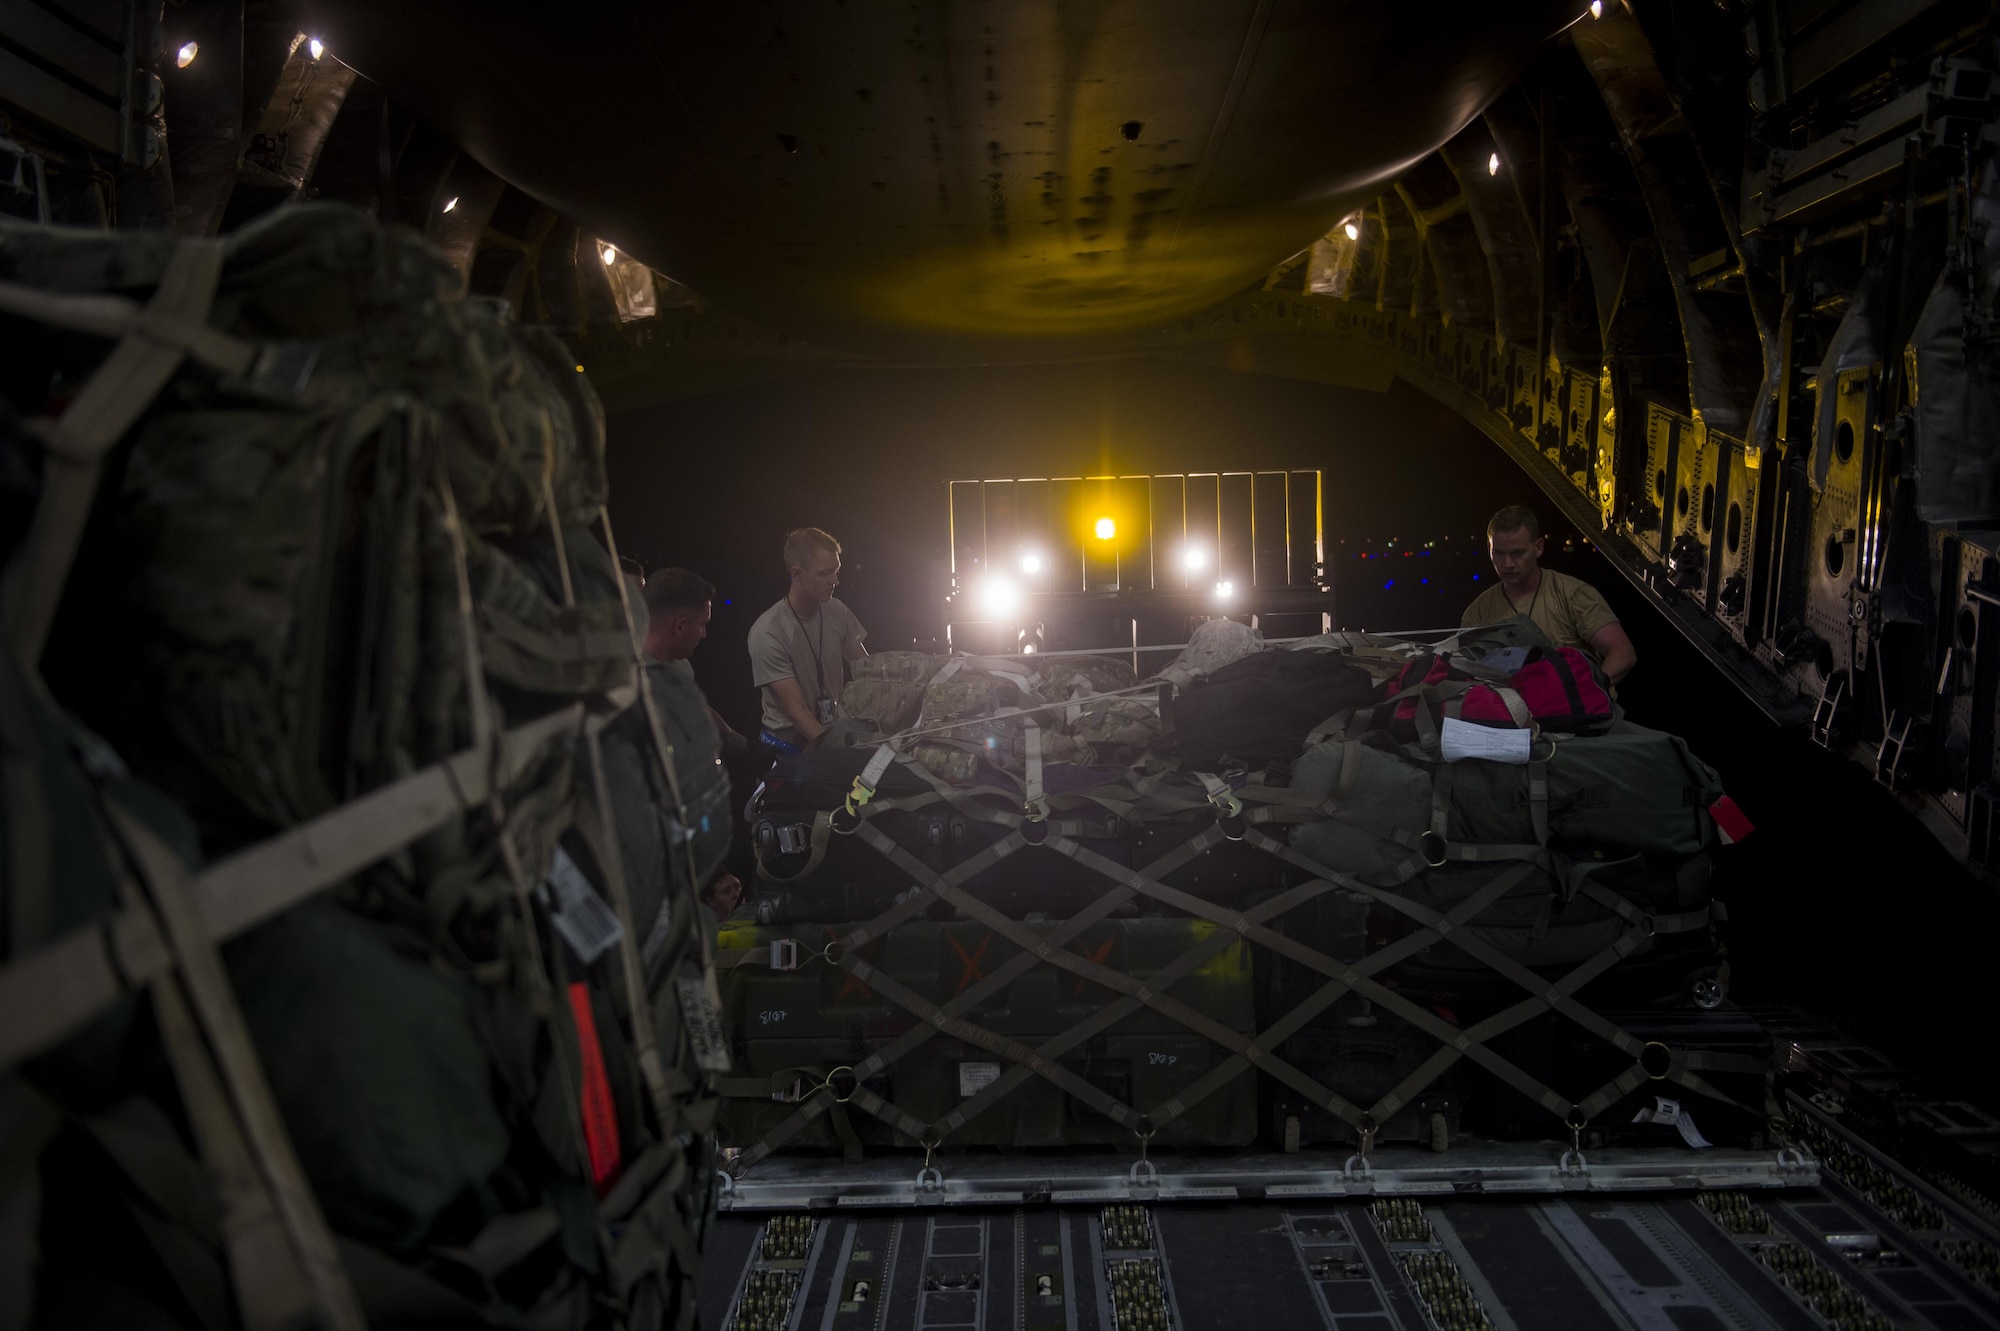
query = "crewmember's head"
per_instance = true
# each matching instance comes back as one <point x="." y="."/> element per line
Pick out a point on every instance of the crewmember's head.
<point x="813" y="559"/>
<point x="1514" y="539"/>
<point x="677" y="605"/>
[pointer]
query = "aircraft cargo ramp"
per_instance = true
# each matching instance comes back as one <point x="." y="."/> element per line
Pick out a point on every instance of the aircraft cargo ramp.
<point x="1502" y="1237"/>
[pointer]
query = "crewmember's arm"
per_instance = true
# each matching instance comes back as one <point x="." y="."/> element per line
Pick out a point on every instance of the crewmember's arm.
<point x="1615" y="654"/>
<point x="792" y="702"/>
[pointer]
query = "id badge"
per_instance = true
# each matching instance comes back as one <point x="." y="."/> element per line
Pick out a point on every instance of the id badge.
<point x="826" y="711"/>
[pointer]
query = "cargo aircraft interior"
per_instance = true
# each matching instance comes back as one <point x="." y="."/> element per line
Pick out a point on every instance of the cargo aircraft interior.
<point x="1113" y="665"/>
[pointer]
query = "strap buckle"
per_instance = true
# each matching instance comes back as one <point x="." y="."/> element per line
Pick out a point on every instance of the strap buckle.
<point x="857" y="797"/>
<point x="785" y="954"/>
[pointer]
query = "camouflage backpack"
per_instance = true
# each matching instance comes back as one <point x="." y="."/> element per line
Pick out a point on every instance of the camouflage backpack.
<point x="346" y="603"/>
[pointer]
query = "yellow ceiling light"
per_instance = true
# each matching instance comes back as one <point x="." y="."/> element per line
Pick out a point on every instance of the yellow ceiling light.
<point x="1106" y="529"/>
<point x="1353" y="231"/>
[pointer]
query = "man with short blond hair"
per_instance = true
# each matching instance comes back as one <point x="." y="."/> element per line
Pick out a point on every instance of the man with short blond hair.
<point x="800" y="647"/>
<point x="1571" y="611"/>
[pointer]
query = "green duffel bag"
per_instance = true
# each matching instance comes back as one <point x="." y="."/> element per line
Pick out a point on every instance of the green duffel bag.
<point x="1373" y="791"/>
<point x="899" y="667"/>
<point x="888" y="705"/>
<point x="1633" y="789"/>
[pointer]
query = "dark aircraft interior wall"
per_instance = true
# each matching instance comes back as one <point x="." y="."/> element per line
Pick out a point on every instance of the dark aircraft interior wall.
<point x="1820" y="914"/>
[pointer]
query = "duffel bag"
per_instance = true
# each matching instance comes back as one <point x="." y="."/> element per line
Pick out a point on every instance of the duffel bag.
<point x="1258" y="710"/>
<point x="1080" y="676"/>
<point x="1633" y="789"/>
<point x="1374" y="793"/>
<point x="1561" y="690"/>
<point x="900" y="667"/>
<point x="886" y="705"/>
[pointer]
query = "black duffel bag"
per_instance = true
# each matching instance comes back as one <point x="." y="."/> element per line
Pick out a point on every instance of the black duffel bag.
<point x="1258" y="710"/>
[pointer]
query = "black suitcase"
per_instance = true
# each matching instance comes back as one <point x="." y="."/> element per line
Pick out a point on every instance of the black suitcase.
<point x="1256" y="712"/>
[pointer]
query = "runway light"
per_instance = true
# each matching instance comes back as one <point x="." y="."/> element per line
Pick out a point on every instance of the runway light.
<point x="610" y="256"/>
<point x="1031" y="564"/>
<point x="1224" y="590"/>
<point x="1597" y="8"/>
<point x="185" y="56"/>
<point x="1194" y="559"/>
<point x="1353" y="231"/>
<point x="317" y="47"/>
<point x="450" y="204"/>
<point x="998" y="596"/>
<point x="1493" y="165"/>
<point x="1106" y="529"/>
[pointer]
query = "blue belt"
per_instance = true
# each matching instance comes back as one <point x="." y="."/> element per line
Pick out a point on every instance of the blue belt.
<point x="781" y="745"/>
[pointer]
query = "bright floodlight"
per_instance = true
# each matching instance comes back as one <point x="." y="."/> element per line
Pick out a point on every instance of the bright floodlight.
<point x="1597" y="8"/>
<point x="317" y="48"/>
<point x="998" y="596"/>
<point x="1028" y="649"/>
<point x="610" y="256"/>
<point x="1493" y="165"/>
<point x="1224" y="590"/>
<point x="185" y="56"/>
<point x="450" y="204"/>
<point x="1353" y="231"/>
<point x="1031" y="564"/>
<point x="1106" y="529"/>
<point x="1194" y="559"/>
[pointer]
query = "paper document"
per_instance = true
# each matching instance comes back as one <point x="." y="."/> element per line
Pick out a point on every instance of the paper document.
<point x="1462" y="739"/>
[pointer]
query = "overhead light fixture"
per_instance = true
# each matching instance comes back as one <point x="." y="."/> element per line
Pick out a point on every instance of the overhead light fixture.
<point x="1493" y="165"/>
<point x="610" y="256"/>
<point x="1353" y="231"/>
<point x="1224" y="590"/>
<point x="450" y="203"/>
<point x="1106" y="529"/>
<point x="579" y="369"/>
<point x="1031" y="563"/>
<point x="1194" y="559"/>
<point x="1597" y="8"/>
<point x="316" y="46"/>
<point x="999" y="596"/>
<point x="185" y="56"/>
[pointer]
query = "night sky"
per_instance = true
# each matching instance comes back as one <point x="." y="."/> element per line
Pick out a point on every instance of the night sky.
<point x="1841" y="902"/>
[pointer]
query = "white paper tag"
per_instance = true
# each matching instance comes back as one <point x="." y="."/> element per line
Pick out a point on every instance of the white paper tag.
<point x="578" y="913"/>
<point x="701" y="1017"/>
<point x="1663" y="1111"/>
<point x="976" y="1077"/>
<point x="1689" y="1132"/>
<point x="1460" y="740"/>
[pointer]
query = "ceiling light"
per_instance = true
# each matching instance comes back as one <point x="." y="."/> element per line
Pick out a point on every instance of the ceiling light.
<point x="1031" y="563"/>
<point x="998" y="596"/>
<point x="450" y="203"/>
<point x="1106" y="529"/>
<point x="1493" y="165"/>
<point x="1194" y="558"/>
<point x="1597" y="8"/>
<point x="1224" y="590"/>
<point x="610" y="256"/>
<point x="1028" y="649"/>
<point x="1353" y="231"/>
<point x="317" y="47"/>
<point x="185" y="56"/>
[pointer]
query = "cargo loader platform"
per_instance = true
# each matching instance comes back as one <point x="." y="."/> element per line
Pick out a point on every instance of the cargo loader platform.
<point x="1493" y="1236"/>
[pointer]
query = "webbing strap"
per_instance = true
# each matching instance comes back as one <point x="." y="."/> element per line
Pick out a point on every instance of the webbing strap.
<point x="54" y="990"/>
<point x="211" y="1006"/>
<point x="108" y="405"/>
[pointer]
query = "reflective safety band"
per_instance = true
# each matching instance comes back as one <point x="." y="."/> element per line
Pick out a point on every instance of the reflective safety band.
<point x="600" y="1114"/>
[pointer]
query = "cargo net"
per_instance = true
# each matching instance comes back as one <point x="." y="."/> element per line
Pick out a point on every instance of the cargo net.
<point x="1393" y="922"/>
